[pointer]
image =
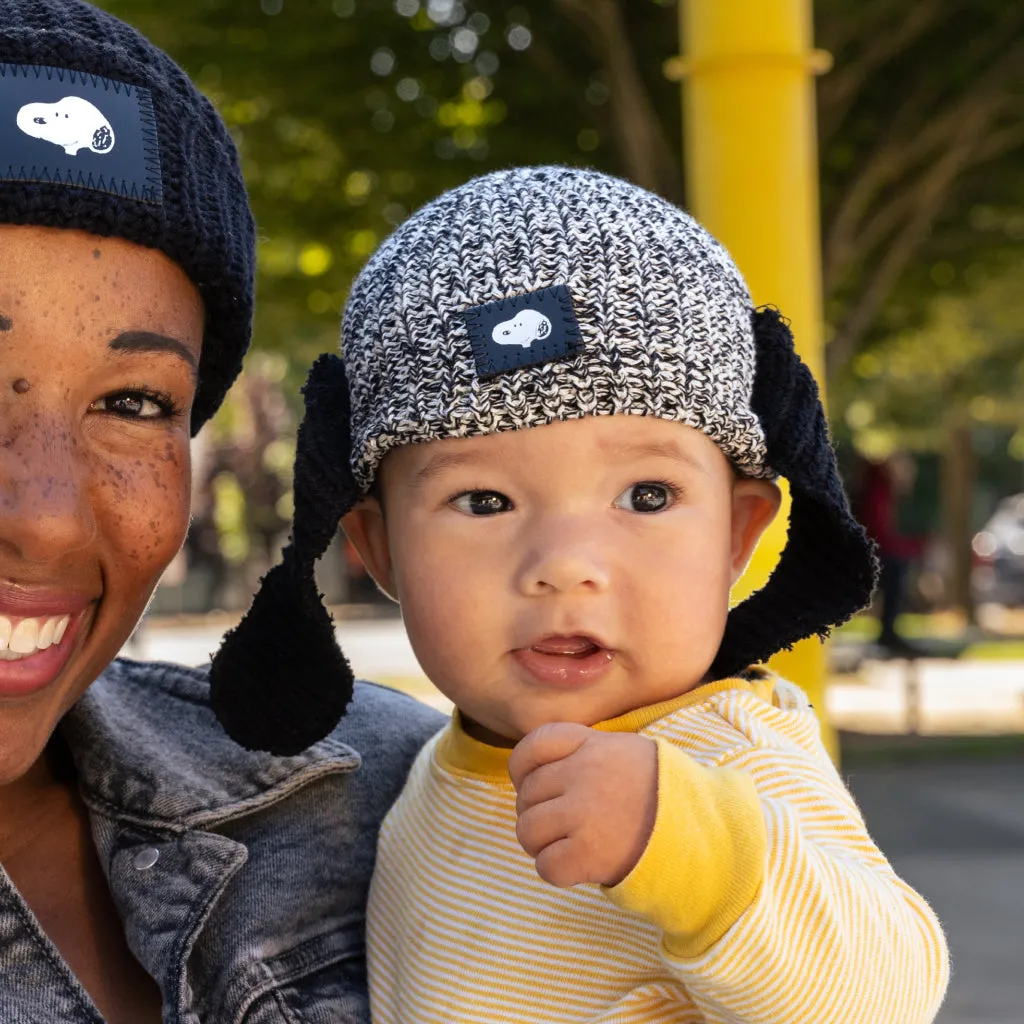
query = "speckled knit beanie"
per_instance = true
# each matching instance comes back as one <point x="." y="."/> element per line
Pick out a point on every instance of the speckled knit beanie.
<point x="522" y="298"/>
<point x="101" y="131"/>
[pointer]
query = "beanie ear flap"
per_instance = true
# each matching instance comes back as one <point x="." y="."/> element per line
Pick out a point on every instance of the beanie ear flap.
<point x="279" y="681"/>
<point x="828" y="568"/>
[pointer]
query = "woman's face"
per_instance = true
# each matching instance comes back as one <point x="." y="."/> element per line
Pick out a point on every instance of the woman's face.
<point x="99" y="345"/>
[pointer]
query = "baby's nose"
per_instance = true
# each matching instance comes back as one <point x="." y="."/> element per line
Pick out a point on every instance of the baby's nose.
<point x="565" y="558"/>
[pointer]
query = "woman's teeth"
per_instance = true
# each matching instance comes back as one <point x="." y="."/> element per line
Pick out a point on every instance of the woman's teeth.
<point x="24" y="637"/>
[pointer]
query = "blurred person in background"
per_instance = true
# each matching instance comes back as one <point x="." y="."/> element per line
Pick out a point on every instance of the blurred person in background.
<point x="151" y="869"/>
<point x="879" y="489"/>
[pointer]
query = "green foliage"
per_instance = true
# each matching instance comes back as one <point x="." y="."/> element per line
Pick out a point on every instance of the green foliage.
<point x="966" y="358"/>
<point x="351" y="113"/>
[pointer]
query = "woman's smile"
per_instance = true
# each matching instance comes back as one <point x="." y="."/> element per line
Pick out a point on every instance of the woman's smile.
<point x="38" y="632"/>
<point x="100" y="349"/>
<point x="36" y="653"/>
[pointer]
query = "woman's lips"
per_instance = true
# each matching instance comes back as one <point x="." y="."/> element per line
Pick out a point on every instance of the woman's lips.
<point x="565" y="661"/>
<point x="27" y="675"/>
<point x="23" y="602"/>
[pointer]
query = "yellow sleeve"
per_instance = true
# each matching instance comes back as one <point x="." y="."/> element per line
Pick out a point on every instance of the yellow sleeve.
<point x="703" y="864"/>
<point x="775" y="904"/>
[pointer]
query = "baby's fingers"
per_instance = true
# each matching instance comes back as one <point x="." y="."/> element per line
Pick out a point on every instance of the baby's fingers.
<point x="561" y="865"/>
<point x="542" y="784"/>
<point x="542" y="825"/>
<point x="546" y="744"/>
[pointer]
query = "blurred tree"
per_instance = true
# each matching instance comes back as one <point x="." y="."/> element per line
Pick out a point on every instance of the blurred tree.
<point x="921" y="134"/>
<point x="938" y="383"/>
<point x="350" y="113"/>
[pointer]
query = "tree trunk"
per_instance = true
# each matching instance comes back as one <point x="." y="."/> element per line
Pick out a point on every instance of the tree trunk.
<point x="958" y="489"/>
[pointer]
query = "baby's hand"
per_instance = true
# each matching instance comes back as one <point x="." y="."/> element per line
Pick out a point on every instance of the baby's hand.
<point x="586" y="801"/>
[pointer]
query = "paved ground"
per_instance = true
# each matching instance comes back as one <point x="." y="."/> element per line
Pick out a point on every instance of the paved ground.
<point x="956" y="833"/>
<point x="954" y="830"/>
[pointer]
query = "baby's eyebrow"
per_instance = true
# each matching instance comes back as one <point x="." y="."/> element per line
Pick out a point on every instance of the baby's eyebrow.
<point x="437" y="464"/>
<point x="654" y="449"/>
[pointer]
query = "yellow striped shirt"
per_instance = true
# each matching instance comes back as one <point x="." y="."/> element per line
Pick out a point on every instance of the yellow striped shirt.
<point x="760" y="896"/>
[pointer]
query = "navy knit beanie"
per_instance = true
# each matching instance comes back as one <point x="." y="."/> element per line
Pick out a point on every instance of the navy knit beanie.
<point x="102" y="132"/>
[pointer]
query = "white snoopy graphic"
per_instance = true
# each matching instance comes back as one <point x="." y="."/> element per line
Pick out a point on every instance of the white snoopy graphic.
<point x="71" y="123"/>
<point x="526" y="327"/>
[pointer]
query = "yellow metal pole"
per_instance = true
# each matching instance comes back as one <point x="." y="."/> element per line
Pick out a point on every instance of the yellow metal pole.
<point x="752" y="179"/>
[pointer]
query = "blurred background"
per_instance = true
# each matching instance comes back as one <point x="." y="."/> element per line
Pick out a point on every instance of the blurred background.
<point x="349" y="114"/>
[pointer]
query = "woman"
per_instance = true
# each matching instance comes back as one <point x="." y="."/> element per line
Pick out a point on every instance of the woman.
<point x="151" y="869"/>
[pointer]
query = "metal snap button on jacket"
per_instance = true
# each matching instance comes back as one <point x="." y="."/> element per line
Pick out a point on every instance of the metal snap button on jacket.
<point x="145" y="858"/>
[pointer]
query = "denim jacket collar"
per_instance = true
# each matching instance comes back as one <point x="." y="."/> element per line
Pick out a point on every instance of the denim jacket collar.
<point x="142" y="744"/>
<point x="163" y="783"/>
<point x="241" y="878"/>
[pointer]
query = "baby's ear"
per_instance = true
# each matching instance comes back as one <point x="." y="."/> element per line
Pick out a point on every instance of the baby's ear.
<point x="755" y="503"/>
<point x="366" y="528"/>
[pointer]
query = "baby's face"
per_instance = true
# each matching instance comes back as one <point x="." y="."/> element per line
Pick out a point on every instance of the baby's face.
<point x="569" y="572"/>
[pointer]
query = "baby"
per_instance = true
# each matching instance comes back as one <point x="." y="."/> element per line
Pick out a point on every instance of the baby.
<point x="553" y="437"/>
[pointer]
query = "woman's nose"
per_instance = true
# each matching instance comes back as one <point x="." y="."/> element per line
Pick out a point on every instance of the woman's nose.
<point x="565" y="556"/>
<point x="44" y="497"/>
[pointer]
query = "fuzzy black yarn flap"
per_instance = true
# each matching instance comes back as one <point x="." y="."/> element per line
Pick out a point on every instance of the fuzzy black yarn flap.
<point x="828" y="568"/>
<point x="279" y="681"/>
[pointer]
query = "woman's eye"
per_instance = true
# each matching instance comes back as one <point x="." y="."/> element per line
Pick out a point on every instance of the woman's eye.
<point x="136" y="405"/>
<point x="645" y="497"/>
<point x="481" y="503"/>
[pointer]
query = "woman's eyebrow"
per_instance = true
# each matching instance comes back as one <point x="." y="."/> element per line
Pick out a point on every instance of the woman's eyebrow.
<point x="148" y="341"/>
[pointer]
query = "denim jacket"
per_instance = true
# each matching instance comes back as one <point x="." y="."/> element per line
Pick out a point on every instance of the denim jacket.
<point x="241" y="878"/>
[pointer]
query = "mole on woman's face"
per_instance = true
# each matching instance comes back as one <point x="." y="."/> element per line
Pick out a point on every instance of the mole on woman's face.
<point x="99" y="349"/>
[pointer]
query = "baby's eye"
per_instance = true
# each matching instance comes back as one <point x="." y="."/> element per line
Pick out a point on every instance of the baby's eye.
<point x="645" y="497"/>
<point x="481" y="503"/>
<point x="135" y="405"/>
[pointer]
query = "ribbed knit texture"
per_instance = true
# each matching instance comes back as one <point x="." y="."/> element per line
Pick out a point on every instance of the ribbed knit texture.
<point x="663" y="312"/>
<point x="203" y="223"/>
<point x="461" y="928"/>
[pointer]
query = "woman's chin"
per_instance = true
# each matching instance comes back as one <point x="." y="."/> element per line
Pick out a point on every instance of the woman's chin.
<point x="22" y="743"/>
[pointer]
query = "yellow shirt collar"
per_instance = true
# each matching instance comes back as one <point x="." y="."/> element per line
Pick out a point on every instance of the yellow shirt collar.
<point x="458" y="752"/>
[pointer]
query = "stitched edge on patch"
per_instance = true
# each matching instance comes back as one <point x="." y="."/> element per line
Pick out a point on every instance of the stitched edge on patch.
<point x="571" y="329"/>
<point x="152" y="191"/>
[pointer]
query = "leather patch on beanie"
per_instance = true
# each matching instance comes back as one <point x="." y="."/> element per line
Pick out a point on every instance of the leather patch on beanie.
<point x="68" y="128"/>
<point x="523" y="330"/>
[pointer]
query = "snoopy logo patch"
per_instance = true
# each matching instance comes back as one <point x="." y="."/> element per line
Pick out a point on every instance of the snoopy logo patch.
<point x="523" y="330"/>
<point x="71" y="123"/>
<point x="62" y="128"/>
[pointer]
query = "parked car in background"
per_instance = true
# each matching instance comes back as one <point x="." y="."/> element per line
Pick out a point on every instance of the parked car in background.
<point x="998" y="575"/>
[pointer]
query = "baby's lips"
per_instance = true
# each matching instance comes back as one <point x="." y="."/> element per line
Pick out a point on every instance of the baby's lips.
<point x="571" y="646"/>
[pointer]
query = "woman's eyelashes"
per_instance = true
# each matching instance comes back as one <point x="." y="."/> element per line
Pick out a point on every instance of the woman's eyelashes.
<point x="647" y="496"/>
<point x="481" y="503"/>
<point x="138" y="404"/>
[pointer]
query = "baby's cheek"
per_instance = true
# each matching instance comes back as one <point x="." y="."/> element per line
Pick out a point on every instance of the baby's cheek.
<point x="446" y="619"/>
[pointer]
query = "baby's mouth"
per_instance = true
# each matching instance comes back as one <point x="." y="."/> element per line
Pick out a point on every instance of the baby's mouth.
<point x="565" y="661"/>
<point x="567" y="646"/>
